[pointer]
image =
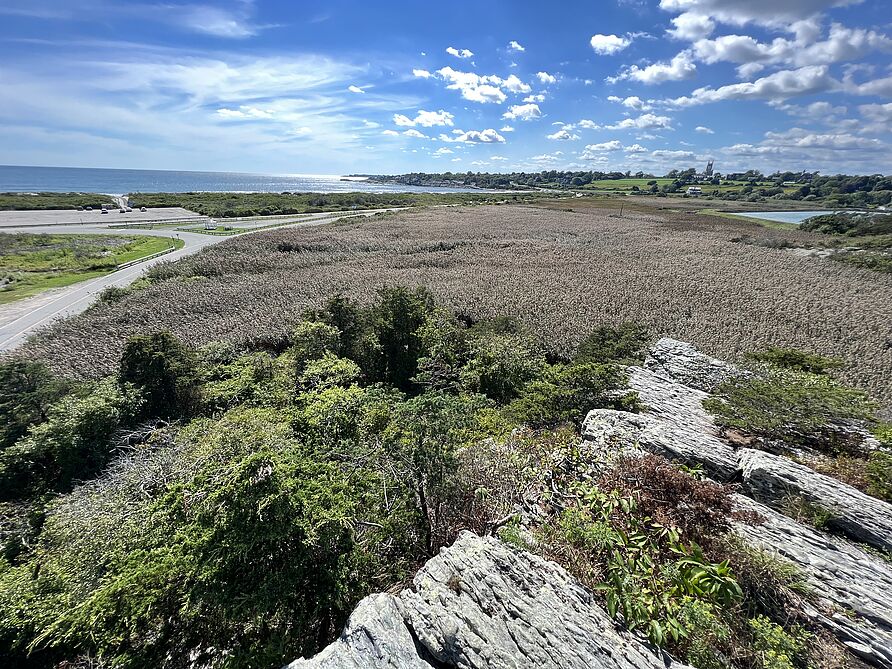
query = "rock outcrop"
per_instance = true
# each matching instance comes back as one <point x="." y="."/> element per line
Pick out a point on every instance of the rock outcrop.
<point x="854" y="588"/>
<point x="483" y="604"/>
<point x="772" y="479"/>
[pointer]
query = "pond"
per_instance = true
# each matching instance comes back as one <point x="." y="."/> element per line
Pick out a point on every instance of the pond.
<point x="795" y="217"/>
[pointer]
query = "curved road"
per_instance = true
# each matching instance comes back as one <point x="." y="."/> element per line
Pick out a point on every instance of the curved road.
<point x="18" y="320"/>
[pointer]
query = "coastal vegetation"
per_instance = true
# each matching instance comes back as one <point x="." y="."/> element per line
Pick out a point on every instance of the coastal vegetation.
<point x="749" y="186"/>
<point x="27" y="201"/>
<point x="230" y="505"/>
<point x="561" y="273"/>
<point x="31" y="263"/>
<point x="230" y="205"/>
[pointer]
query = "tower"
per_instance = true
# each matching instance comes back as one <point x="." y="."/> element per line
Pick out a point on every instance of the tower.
<point x="709" y="165"/>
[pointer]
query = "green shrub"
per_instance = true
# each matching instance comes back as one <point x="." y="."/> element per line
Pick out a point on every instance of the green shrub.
<point x="164" y="371"/>
<point x="75" y="441"/>
<point x="311" y="340"/>
<point x="501" y="364"/>
<point x="777" y="648"/>
<point x="626" y="343"/>
<point x="569" y="392"/>
<point x="27" y="389"/>
<point x="800" y="361"/>
<point x="789" y="405"/>
<point x="879" y="475"/>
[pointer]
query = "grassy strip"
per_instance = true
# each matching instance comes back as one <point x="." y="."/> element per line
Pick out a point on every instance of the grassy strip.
<point x="37" y="201"/>
<point x="31" y="264"/>
<point x="774" y="225"/>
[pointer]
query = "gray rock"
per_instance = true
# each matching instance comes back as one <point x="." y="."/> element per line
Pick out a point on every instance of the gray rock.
<point x="376" y="637"/>
<point x="854" y="588"/>
<point x="606" y="430"/>
<point x="681" y="362"/>
<point x="483" y="604"/>
<point x="772" y="478"/>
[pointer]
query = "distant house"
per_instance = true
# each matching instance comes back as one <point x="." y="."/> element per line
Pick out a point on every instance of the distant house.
<point x="695" y="191"/>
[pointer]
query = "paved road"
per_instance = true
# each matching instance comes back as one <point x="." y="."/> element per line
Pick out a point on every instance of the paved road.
<point x="20" y="319"/>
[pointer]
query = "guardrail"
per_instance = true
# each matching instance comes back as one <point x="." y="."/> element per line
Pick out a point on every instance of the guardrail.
<point x="131" y="263"/>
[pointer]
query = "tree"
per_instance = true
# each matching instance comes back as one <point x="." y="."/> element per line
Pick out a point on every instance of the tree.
<point x="27" y="389"/>
<point x="164" y="371"/>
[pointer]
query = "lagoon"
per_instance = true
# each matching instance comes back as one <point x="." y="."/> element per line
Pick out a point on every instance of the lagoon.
<point x="795" y="217"/>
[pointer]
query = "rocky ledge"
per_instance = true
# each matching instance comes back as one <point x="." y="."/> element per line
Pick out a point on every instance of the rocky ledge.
<point x="481" y="604"/>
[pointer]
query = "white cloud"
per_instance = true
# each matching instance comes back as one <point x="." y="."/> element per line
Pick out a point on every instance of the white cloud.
<point x="546" y="78"/>
<point x="681" y="66"/>
<point x="690" y="26"/>
<point x="563" y="134"/>
<point x="588" y="124"/>
<point x="506" y="128"/>
<point x="513" y="45"/>
<point x="632" y="102"/>
<point x="459" y="53"/>
<point x="514" y="85"/>
<point x="525" y="112"/>
<point x="778" y="86"/>
<point x="760" y="12"/>
<point x="355" y="89"/>
<point x="425" y="119"/>
<point x="498" y="158"/>
<point x="538" y="97"/>
<point x="612" y="145"/>
<point x="244" y="112"/>
<point x="488" y="136"/>
<point x="412" y="132"/>
<point x="607" y="45"/>
<point x="675" y="155"/>
<point x="442" y="151"/>
<point x="881" y="113"/>
<point x="424" y="74"/>
<point x="390" y="133"/>
<point x="704" y="130"/>
<point x="635" y="148"/>
<point x="474" y="87"/>
<point x="643" y="122"/>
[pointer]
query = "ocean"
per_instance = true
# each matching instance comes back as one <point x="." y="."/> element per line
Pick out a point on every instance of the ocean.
<point x="118" y="182"/>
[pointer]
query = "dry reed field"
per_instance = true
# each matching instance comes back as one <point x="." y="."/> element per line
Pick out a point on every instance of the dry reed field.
<point x="561" y="272"/>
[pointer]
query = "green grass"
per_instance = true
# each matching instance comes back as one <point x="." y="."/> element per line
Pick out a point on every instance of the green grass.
<point x="31" y="263"/>
<point x="775" y="225"/>
<point x="31" y="201"/>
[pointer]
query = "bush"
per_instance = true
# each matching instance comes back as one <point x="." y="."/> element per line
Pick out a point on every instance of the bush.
<point x="788" y="405"/>
<point x="800" y="361"/>
<point x="879" y="475"/>
<point x="164" y="371"/>
<point x="75" y="441"/>
<point x="27" y="389"/>
<point x="566" y="393"/>
<point x="501" y="364"/>
<point x="626" y="343"/>
<point x="777" y="648"/>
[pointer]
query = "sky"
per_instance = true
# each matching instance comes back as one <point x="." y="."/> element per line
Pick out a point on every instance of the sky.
<point x="341" y="87"/>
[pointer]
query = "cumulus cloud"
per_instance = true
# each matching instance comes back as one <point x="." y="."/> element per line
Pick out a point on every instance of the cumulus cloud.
<point x="643" y="122"/>
<point x="690" y="26"/>
<point x="635" y="148"/>
<point x="538" y="97"/>
<point x="412" y="132"/>
<point x="563" y="134"/>
<point x="778" y="86"/>
<point x="482" y="88"/>
<point x="632" y="102"/>
<point x="355" y="89"/>
<point x="607" y="45"/>
<point x="506" y="128"/>
<point x="390" y="133"/>
<point x="488" y="136"/>
<point x="674" y="154"/>
<point x="546" y="78"/>
<point x="425" y="119"/>
<point x="442" y="151"/>
<point x="588" y="124"/>
<point x="682" y="66"/>
<point x="760" y="12"/>
<point x="525" y="112"/>
<point x="514" y="45"/>
<point x="459" y="53"/>
<point x="612" y="145"/>
<point x="704" y="130"/>
<point x="881" y="113"/>
<point x="424" y="74"/>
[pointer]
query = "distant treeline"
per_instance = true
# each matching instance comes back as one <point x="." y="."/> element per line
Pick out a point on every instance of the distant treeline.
<point x="842" y="190"/>
<point x="230" y="205"/>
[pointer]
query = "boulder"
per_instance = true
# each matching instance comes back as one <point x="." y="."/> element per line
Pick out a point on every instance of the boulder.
<point x="681" y="362"/>
<point x="483" y="604"/>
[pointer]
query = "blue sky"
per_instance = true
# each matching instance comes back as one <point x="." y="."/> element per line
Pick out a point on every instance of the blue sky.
<point x="336" y="87"/>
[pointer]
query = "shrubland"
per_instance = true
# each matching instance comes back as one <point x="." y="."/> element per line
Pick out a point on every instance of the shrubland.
<point x="560" y="273"/>
<point x="228" y="505"/>
<point x="10" y="201"/>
